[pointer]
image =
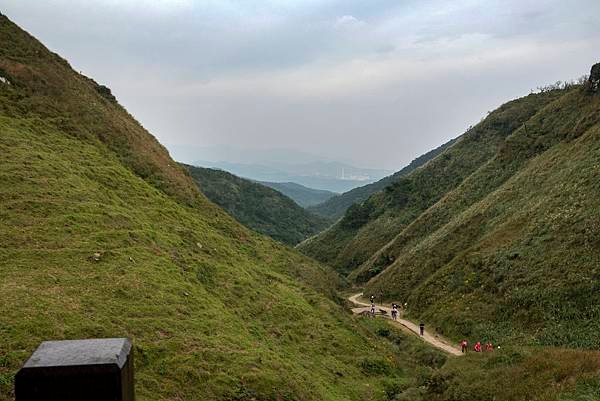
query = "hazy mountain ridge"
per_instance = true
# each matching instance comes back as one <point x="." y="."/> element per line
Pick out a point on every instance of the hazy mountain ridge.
<point x="257" y="206"/>
<point x="335" y="207"/>
<point x="320" y="175"/>
<point x="302" y="195"/>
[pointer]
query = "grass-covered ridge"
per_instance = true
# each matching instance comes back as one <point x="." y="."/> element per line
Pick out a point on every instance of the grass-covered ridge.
<point x="257" y="206"/>
<point x="368" y="226"/>
<point x="497" y="236"/>
<point x="103" y="235"/>
<point x="521" y="246"/>
<point x="43" y="85"/>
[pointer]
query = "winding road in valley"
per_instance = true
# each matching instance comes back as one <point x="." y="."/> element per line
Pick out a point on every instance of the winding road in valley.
<point x="406" y="325"/>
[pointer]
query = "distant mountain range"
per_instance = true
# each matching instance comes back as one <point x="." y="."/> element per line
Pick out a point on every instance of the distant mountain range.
<point x="321" y="175"/>
<point x="302" y="195"/>
<point x="336" y="206"/>
<point x="257" y="206"/>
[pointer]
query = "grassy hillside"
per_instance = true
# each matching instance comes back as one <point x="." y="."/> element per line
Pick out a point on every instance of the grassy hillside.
<point x="515" y="374"/>
<point x="367" y="227"/>
<point x="513" y="251"/>
<point x="512" y="373"/>
<point x="258" y="207"/>
<point x="302" y="195"/>
<point x="104" y="235"/>
<point x="336" y="206"/>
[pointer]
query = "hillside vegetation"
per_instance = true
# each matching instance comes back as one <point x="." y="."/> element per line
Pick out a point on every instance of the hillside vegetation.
<point x="370" y="225"/>
<point x="103" y="235"/>
<point x="513" y="251"/>
<point x="336" y="206"/>
<point x="258" y="207"/>
<point x="302" y="195"/>
<point x="497" y="237"/>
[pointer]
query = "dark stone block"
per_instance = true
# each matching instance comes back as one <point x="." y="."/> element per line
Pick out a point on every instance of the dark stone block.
<point x="78" y="370"/>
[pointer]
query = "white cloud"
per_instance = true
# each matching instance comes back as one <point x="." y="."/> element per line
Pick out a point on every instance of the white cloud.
<point x="347" y="21"/>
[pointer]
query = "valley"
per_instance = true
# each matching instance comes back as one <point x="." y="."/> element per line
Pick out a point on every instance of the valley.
<point x="258" y="206"/>
<point x="232" y="289"/>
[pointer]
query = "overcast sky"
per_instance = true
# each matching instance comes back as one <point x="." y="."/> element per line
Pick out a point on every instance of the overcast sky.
<point x="377" y="82"/>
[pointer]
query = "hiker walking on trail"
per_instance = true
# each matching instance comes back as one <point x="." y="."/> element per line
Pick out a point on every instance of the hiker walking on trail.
<point x="463" y="346"/>
<point x="372" y="299"/>
<point x="422" y="328"/>
<point x="394" y="312"/>
<point x="372" y="310"/>
<point x="477" y="347"/>
<point x="489" y="346"/>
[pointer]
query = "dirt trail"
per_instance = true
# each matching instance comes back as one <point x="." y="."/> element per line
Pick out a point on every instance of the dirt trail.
<point x="432" y="339"/>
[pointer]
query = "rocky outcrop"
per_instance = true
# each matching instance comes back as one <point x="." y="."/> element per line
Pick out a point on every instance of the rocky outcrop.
<point x="593" y="84"/>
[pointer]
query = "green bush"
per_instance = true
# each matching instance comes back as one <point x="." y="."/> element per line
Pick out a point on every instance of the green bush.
<point x="376" y="367"/>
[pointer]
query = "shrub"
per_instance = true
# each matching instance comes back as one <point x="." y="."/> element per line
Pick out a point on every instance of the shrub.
<point x="383" y="331"/>
<point x="376" y="367"/>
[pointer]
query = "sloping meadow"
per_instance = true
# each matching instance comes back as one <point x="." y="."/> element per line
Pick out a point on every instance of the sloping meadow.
<point x="521" y="260"/>
<point x="103" y="235"/>
<point x="497" y="236"/>
<point x="368" y="226"/>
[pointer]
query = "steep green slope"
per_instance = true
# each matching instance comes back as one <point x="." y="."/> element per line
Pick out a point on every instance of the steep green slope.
<point x="367" y="227"/>
<point x="104" y="235"/>
<point x="40" y="84"/>
<point x="258" y="207"/>
<point x="518" y="252"/>
<point x="335" y="207"/>
<point x="302" y="195"/>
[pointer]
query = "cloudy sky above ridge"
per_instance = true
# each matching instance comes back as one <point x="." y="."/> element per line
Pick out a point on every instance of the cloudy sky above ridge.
<point x="374" y="82"/>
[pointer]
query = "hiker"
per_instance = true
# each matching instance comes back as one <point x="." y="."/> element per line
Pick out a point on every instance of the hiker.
<point x="489" y="346"/>
<point x="463" y="346"/>
<point x="394" y="312"/>
<point x="422" y="328"/>
<point x="477" y="347"/>
<point x="372" y="299"/>
<point x="372" y="310"/>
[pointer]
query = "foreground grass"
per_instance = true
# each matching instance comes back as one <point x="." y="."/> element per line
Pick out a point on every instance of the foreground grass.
<point x="515" y="374"/>
<point x="511" y="373"/>
<point x="91" y="250"/>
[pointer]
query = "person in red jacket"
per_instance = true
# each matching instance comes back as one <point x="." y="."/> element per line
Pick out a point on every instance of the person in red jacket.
<point x="477" y="347"/>
<point x="489" y="346"/>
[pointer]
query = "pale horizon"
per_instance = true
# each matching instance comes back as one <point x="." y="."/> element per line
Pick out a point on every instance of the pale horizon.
<point x="375" y="84"/>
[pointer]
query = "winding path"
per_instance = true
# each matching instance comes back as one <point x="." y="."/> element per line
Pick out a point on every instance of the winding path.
<point x="406" y="325"/>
